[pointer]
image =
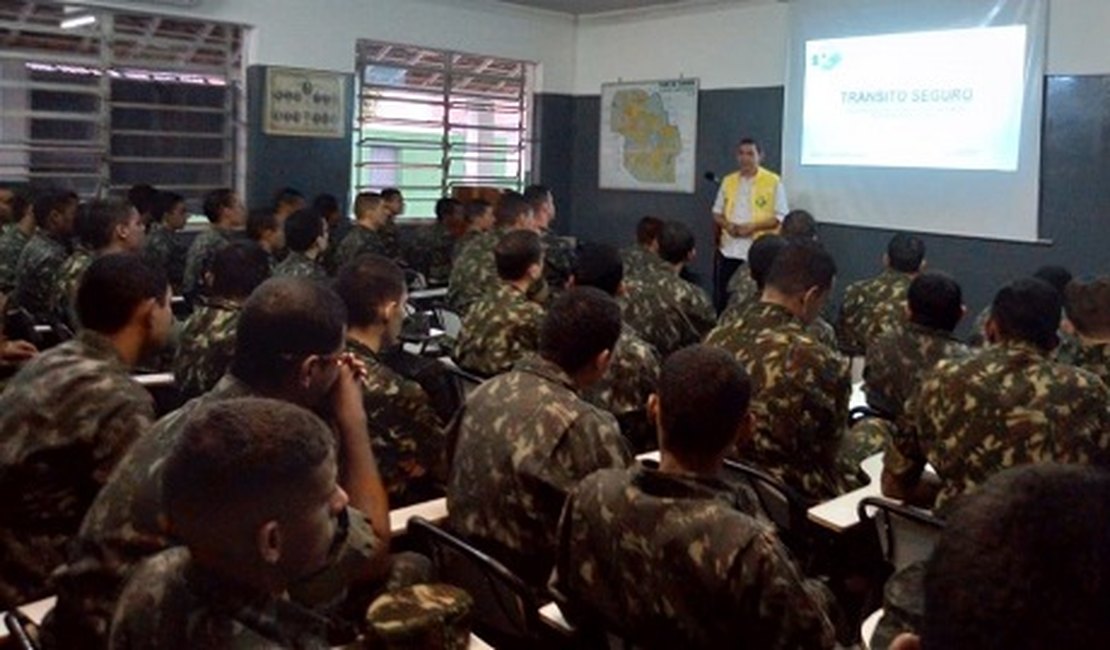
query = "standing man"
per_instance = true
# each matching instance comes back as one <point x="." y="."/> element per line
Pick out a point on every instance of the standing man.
<point x="751" y="202"/>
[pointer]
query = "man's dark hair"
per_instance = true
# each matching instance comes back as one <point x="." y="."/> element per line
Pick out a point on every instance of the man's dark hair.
<point x="762" y="256"/>
<point x="325" y="204"/>
<point x="476" y="208"/>
<point x="287" y="195"/>
<point x="259" y="222"/>
<point x="22" y="199"/>
<point x="445" y="207"/>
<point x="366" y="201"/>
<point x="581" y="323"/>
<point x="52" y="201"/>
<point x="1028" y="310"/>
<point x="1087" y="303"/>
<point x="510" y="207"/>
<point x="750" y="142"/>
<point x="799" y="224"/>
<point x="142" y="197"/>
<point x="99" y="220"/>
<point x="1057" y="276"/>
<point x="599" y="265"/>
<point x="302" y="229"/>
<point x="704" y="395"/>
<point x="648" y="229"/>
<point x="676" y="242"/>
<point x="162" y="204"/>
<point x="366" y="285"/>
<point x="537" y="195"/>
<point x="113" y="287"/>
<point x="801" y="266"/>
<point x="238" y="269"/>
<point x="1023" y="563"/>
<point x="515" y="252"/>
<point x="284" y="321"/>
<point x="936" y="301"/>
<point x="390" y="193"/>
<point x="215" y="201"/>
<point x="242" y="461"/>
<point x="905" y="253"/>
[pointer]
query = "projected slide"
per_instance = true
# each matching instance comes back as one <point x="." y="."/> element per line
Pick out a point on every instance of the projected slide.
<point x="932" y="100"/>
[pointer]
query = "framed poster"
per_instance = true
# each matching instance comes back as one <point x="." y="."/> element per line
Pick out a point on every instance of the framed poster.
<point x="305" y="103"/>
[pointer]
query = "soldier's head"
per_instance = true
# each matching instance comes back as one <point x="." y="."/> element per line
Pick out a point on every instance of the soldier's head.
<point x="700" y="407"/>
<point x="479" y="215"/>
<point x="142" y="197"/>
<point x="762" y="255"/>
<point x="1027" y="311"/>
<point x="22" y="208"/>
<point x="1057" y="276"/>
<point x="55" y="211"/>
<point x="224" y="209"/>
<point x="647" y="233"/>
<point x="374" y="289"/>
<point x="370" y="210"/>
<point x="1022" y="564"/>
<point x="123" y="297"/>
<point x="306" y="232"/>
<point x="905" y="253"/>
<point x="287" y="200"/>
<point x="237" y="269"/>
<point x="513" y="212"/>
<point x="449" y="212"/>
<point x="543" y="205"/>
<point x="600" y="266"/>
<point x="168" y="209"/>
<point x="519" y="257"/>
<point x="935" y="300"/>
<point x="251" y="490"/>
<point x="289" y="340"/>
<point x="799" y="224"/>
<point x="264" y="229"/>
<point x="676" y="244"/>
<point x="328" y="207"/>
<point x="749" y="155"/>
<point x="579" y="332"/>
<point x="394" y="202"/>
<point x="1087" y="304"/>
<point x="800" y="279"/>
<point x="111" y="225"/>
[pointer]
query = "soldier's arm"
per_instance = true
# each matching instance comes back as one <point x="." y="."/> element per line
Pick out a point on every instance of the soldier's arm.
<point x="131" y="416"/>
<point x="594" y="442"/>
<point x="904" y="476"/>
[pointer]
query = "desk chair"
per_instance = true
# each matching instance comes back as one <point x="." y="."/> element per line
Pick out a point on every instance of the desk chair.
<point x="906" y="534"/>
<point x="782" y="505"/>
<point x="22" y="630"/>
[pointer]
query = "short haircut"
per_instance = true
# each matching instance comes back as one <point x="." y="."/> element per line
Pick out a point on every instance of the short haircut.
<point x="801" y="266"/>
<point x="1057" y="276"/>
<point x="242" y="462"/>
<point x="113" y="287"/>
<point x="390" y="193"/>
<point x="21" y="201"/>
<point x="599" y="265"/>
<point x="676" y="242"/>
<point x="287" y="195"/>
<point x="762" y="256"/>
<point x="1023" y="563"/>
<point x="366" y="201"/>
<point x="445" y="207"/>
<point x="581" y="323"/>
<point x="216" y="201"/>
<point x="367" y="284"/>
<point x="648" y="229"/>
<point x="510" y="208"/>
<point x="936" y="301"/>
<point x="50" y="202"/>
<point x="1087" y="302"/>
<point x="515" y="252"/>
<point x="259" y="222"/>
<point x="799" y="224"/>
<point x="905" y="253"/>
<point x="704" y="394"/>
<point x="1028" y="310"/>
<point x="142" y="197"/>
<point x="238" y="269"/>
<point x="476" y="208"/>
<point x="749" y="142"/>
<point x="162" y="204"/>
<point x="303" y="228"/>
<point x="325" y="204"/>
<point x="537" y="195"/>
<point x="99" y="220"/>
<point x="285" y="320"/>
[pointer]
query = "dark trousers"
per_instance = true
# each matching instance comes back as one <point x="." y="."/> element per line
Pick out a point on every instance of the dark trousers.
<point x="723" y="268"/>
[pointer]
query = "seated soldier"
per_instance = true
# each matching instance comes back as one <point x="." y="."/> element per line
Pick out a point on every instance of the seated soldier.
<point x="225" y="213"/>
<point x="743" y="289"/>
<point x="14" y="237"/>
<point x="479" y="219"/>
<point x="475" y="271"/>
<point x="287" y="200"/>
<point x="306" y="237"/>
<point x="289" y="346"/>
<point x="394" y="202"/>
<point x="365" y="236"/>
<point x="265" y="231"/>
<point x="163" y="245"/>
<point x="68" y="417"/>
<point x="433" y="252"/>
<point x="874" y="306"/>
<point x="801" y="386"/>
<point x="1058" y="277"/>
<point x="505" y="324"/>
<point x="338" y="227"/>
<point x="644" y="256"/>
<point x="667" y="311"/>
<point x="672" y="557"/>
<point x="1007" y="405"/>
<point x="251" y="493"/>
<point x="634" y="367"/>
<point x="206" y="344"/>
<point x="406" y="433"/>
<point x="525" y="438"/>
<point x="558" y="252"/>
<point x="36" y="273"/>
<point x="1087" y="304"/>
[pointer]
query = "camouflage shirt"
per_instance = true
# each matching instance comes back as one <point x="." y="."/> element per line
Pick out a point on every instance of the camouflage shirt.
<point x="405" y="432"/>
<point x="800" y="391"/>
<point x="164" y="249"/>
<point x="391" y="240"/>
<point x="499" y="329"/>
<point x="640" y="262"/>
<point x="199" y="258"/>
<point x="1094" y="357"/>
<point x="872" y="307"/>
<point x="207" y="345"/>
<point x="359" y="241"/>
<point x="521" y="442"/>
<point x="558" y="260"/>
<point x="474" y="273"/>
<point x="299" y="265"/>
<point x="667" y="311"/>
<point x="1005" y="406"/>
<point x="69" y="278"/>
<point x="65" y="421"/>
<point x="819" y="329"/>
<point x="37" y="274"/>
<point x="742" y="288"/>
<point x="173" y="603"/>
<point x="897" y="360"/>
<point x="433" y="254"/>
<point x="625" y="387"/>
<point x="12" y="242"/>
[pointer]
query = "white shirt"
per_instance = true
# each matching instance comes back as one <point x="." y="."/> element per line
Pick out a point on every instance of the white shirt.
<point x="737" y="247"/>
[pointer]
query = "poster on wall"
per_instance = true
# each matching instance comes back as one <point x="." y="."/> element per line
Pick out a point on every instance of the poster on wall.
<point x="649" y="133"/>
<point x="305" y="103"/>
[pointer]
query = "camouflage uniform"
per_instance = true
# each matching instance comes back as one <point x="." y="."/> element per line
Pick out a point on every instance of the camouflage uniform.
<point x="299" y="265"/>
<point x="819" y="329"/>
<point x="667" y="311"/>
<point x="742" y="288"/>
<point x="391" y="240"/>
<point x="462" y="242"/>
<point x="558" y="260"/>
<point x="433" y="253"/>
<point x="474" y="273"/>
<point x="406" y="434"/>
<point x="69" y="278"/>
<point x="1066" y="352"/>
<point x="336" y="235"/>
<point x="640" y="262"/>
<point x="65" y="421"/>
<point x="670" y="561"/>
<point x="36" y="275"/>
<point x="126" y="524"/>
<point x="521" y="442"/>
<point x="207" y="345"/>
<point x="1095" y="357"/>
<point x="358" y="242"/>
<point x="198" y="260"/>
<point x="625" y="387"/>
<point x="12" y="242"/>
<point x="872" y="307"/>
<point x="500" y="329"/>
<point x="1003" y="407"/>
<point x="800" y="391"/>
<point x="164" y="249"/>
<point x="172" y="602"/>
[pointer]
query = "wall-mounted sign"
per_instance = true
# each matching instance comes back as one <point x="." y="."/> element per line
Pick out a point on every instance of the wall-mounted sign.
<point x="305" y="103"/>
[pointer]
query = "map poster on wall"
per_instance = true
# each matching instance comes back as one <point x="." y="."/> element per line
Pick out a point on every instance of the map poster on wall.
<point x="305" y="103"/>
<point x="649" y="133"/>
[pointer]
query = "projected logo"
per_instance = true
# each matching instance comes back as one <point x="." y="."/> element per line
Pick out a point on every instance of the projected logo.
<point x="825" y="60"/>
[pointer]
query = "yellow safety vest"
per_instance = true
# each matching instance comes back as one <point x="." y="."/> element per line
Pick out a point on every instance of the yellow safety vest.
<point x="763" y="196"/>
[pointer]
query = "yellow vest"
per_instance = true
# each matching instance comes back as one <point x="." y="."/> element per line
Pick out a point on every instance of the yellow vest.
<point x="763" y="196"/>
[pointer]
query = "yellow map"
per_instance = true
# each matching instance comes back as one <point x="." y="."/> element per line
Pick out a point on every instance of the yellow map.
<point x="652" y="142"/>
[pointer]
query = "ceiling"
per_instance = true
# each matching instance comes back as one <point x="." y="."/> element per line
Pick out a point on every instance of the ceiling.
<point x="587" y="7"/>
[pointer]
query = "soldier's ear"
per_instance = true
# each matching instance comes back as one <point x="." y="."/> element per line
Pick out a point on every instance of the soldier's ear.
<point x="744" y="429"/>
<point x="269" y="542"/>
<point x="906" y="641"/>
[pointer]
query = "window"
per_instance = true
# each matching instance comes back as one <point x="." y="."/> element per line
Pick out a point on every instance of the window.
<point x="431" y="120"/>
<point x="98" y="100"/>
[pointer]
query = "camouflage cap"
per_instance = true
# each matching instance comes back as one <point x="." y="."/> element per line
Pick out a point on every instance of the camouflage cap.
<point x="421" y="616"/>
